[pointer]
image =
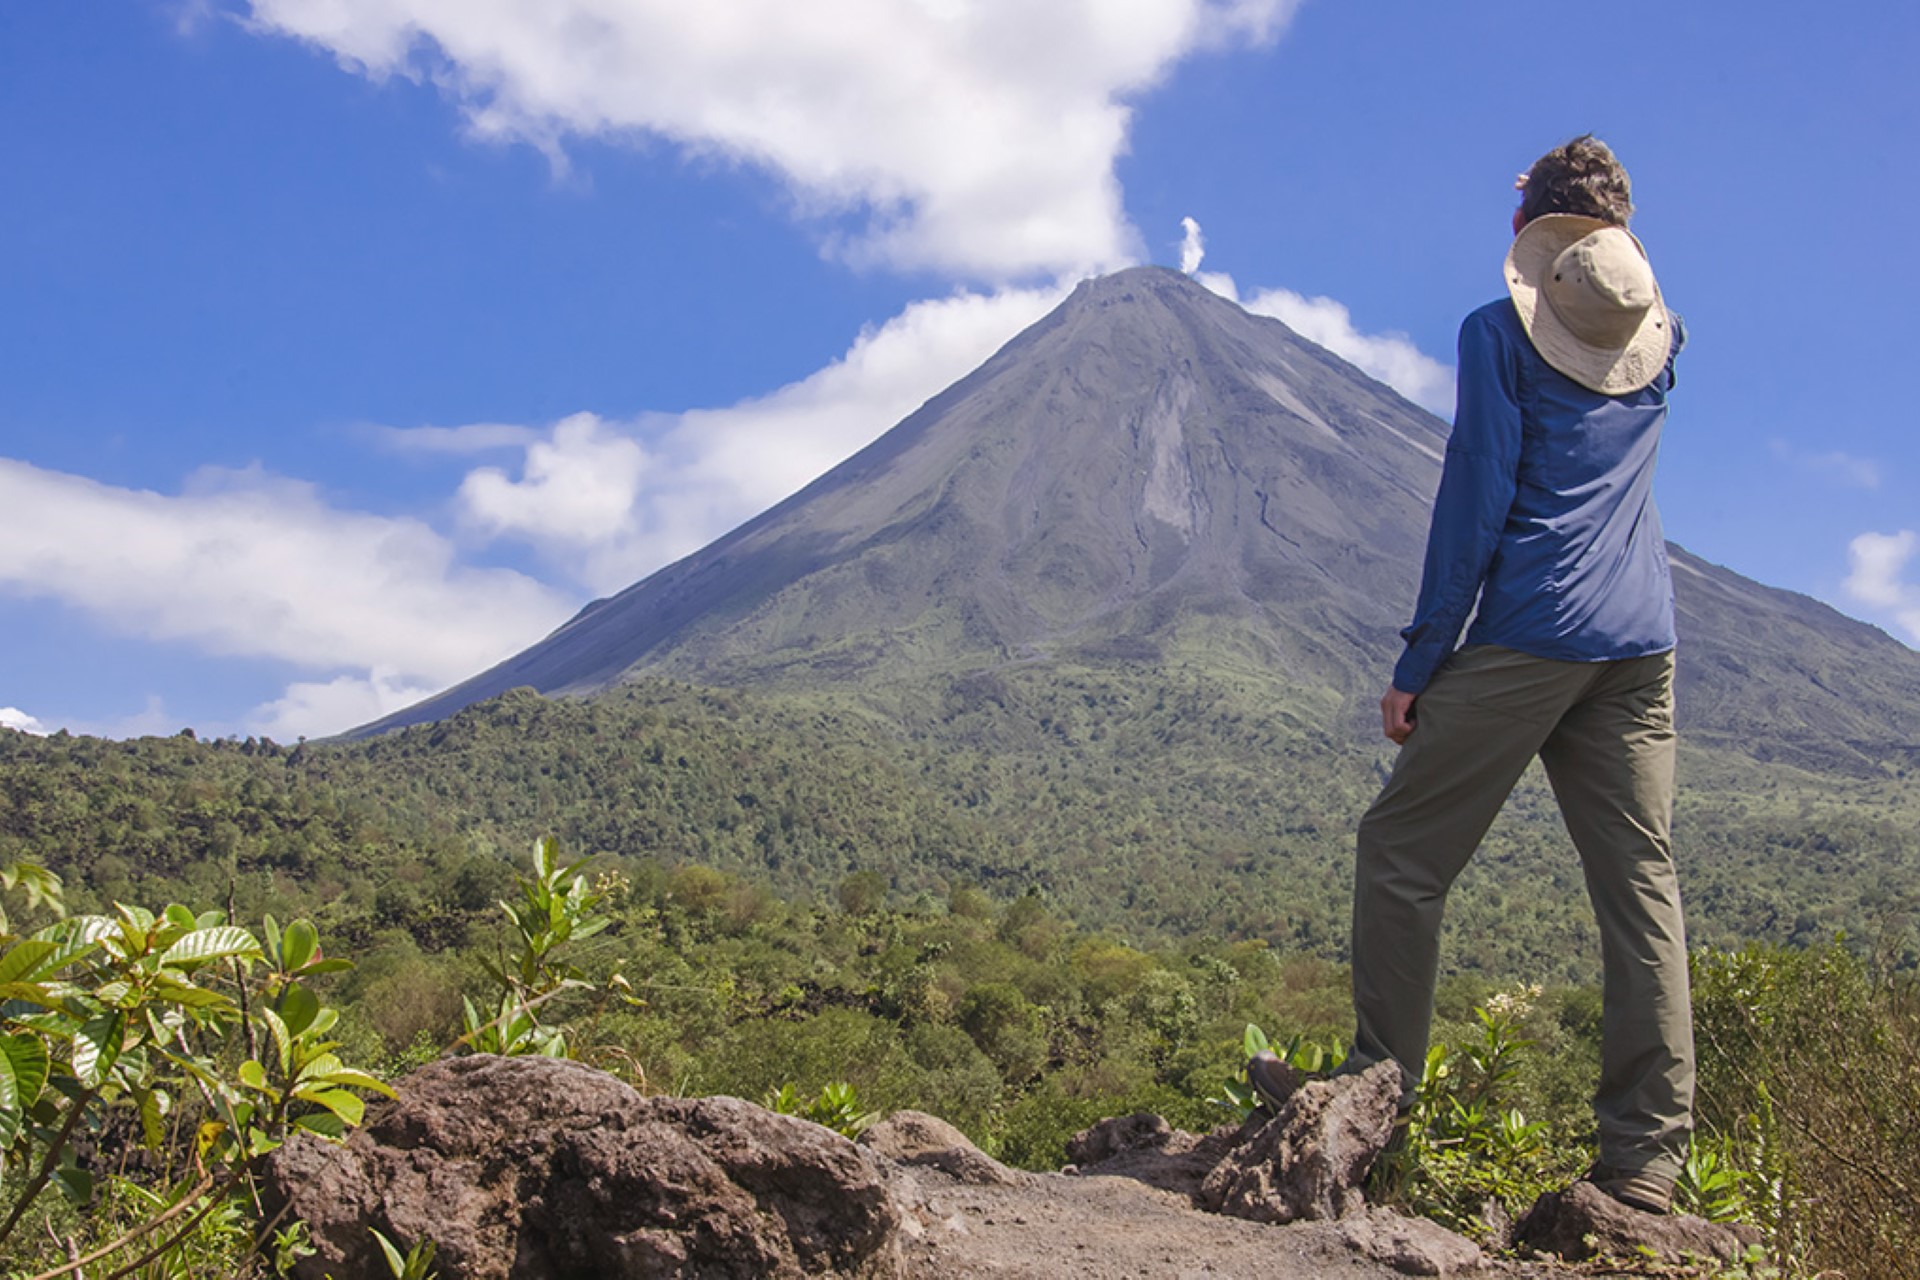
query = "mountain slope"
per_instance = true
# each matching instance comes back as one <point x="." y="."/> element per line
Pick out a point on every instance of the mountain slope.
<point x="1152" y="477"/>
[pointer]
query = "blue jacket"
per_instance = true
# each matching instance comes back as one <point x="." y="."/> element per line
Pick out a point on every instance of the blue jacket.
<point x="1545" y="514"/>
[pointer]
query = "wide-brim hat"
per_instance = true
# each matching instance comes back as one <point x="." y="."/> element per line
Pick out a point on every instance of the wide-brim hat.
<point x="1588" y="300"/>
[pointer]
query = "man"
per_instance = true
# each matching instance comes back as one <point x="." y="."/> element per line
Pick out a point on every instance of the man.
<point x="1545" y="530"/>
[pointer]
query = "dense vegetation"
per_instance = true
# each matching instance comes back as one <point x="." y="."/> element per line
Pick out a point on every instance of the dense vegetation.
<point x="1160" y="808"/>
<point x="1002" y="1017"/>
<point x="1024" y="903"/>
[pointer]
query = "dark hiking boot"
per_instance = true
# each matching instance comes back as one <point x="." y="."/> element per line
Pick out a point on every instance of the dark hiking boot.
<point x="1274" y="1080"/>
<point x="1646" y="1191"/>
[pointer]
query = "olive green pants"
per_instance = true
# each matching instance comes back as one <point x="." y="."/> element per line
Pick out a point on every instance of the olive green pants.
<point x="1604" y="731"/>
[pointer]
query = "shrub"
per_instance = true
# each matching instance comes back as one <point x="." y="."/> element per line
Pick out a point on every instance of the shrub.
<point x="1810" y="1087"/>
<point x="180" y="1034"/>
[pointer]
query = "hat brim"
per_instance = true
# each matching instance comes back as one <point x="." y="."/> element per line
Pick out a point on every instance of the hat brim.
<point x="1612" y="371"/>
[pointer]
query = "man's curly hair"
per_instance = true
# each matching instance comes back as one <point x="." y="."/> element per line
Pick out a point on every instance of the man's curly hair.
<point x="1580" y="177"/>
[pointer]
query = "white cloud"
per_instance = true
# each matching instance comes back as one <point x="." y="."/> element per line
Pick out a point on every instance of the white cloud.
<point x="1193" y="246"/>
<point x="976" y="137"/>
<point x="1390" y="357"/>
<point x="15" y="718"/>
<point x="312" y="709"/>
<point x="1860" y="473"/>
<point x="1879" y="562"/>
<point x="609" y="502"/>
<point x="244" y="563"/>
<point x="576" y="487"/>
<point x="473" y="437"/>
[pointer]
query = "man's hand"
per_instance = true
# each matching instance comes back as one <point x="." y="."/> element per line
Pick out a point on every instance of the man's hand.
<point x="1396" y="715"/>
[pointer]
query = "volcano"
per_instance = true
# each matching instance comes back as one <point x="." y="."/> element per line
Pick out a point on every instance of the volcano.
<point x="1152" y="477"/>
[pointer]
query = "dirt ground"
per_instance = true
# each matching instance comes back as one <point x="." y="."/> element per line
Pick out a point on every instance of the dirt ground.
<point x="1057" y="1227"/>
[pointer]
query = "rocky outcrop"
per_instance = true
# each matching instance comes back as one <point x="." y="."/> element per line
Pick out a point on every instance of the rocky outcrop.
<point x="1310" y="1160"/>
<point x="1306" y="1164"/>
<point x="1584" y="1222"/>
<point x="917" y="1139"/>
<point x="1411" y="1246"/>
<point x="536" y="1169"/>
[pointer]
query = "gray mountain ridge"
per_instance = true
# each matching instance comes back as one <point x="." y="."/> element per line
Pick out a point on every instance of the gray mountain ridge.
<point x="1151" y="476"/>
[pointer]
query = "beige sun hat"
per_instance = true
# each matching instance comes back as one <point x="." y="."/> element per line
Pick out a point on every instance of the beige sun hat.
<point x="1588" y="300"/>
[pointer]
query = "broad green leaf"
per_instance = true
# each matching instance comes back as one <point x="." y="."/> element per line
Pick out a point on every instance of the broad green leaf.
<point x="25" y="961"/>
<point x="57" y="1026"/>
<point x="282" y="1039"/>
<point x="324" y="1123"/>
<point x="69" y="952"/>
<point x="271" y="928"/>
<point x="1254" y="1040"/>
<point x="298" y="945"/>
<point x="81" y="930"/>
<point x="180" y="917"/>
<point x="350" y="1107"/>
<point x="12" y="1110"/>
<point x="136" y="923"/>
<point x="151" y="1104"/>
<point x="297" y="1006"/>
<point x="252" y="1075"/>
<point x="354" y="1078"/>
<point x="118" y="992"/>
<point x="185" y="994"/>
<point x="75" y="1183"/>
<point x="320" y="1066"/>
<point x="25" y="1061"/>
<point x="96" y="1046"/>
<point x="323" y="1022"/>
<point x="210" y="919"/>
<point x="325" y="966"/>
<point x="218" y="943"/>
<point x="26" y="993"/>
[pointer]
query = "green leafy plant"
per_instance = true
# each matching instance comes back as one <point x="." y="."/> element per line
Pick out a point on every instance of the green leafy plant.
<point x="837" y="1107"/>
<point x="1309" y="1055"/>
<point x="156" y="1021"/>
<point x="1463" y="1143"/>
<point x="415" y="1264"/>
<point x="556" y="909"/>
<point x="1711" y="1185"/>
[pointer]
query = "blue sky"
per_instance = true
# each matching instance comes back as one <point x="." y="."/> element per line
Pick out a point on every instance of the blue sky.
<point x="347" y="346"/>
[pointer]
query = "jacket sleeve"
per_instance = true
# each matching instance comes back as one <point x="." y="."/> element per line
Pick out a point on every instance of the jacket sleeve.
<point x="1477" y="486"/>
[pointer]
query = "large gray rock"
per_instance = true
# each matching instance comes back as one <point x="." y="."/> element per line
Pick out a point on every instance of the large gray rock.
<point x="1310" y="1160"/>
<point x="1584" y="1222"/>
<point x="536" y="1169"/>
<point x="1411" y="1246"/>
<point x="918" y="1139"/>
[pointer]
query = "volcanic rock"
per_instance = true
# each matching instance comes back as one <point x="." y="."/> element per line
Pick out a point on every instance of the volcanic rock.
<point x="1584" y="1222"/>
<point x="918" y="1139"/>
<point x="538" y="1169"/>
<point x="1310" y="1160"/>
